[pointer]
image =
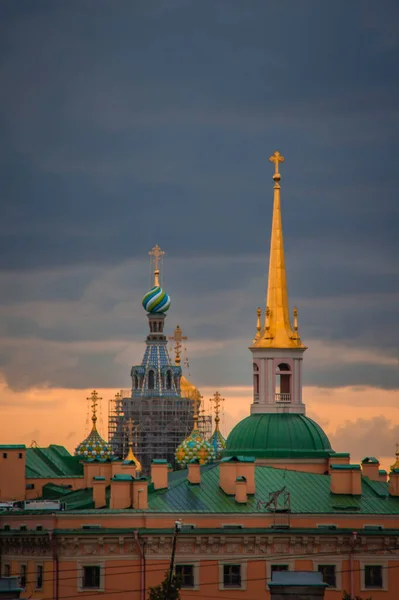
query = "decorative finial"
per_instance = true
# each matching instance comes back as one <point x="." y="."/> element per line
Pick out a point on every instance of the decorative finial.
<point x="258" y="325"/>
<point x="276" y="159"/>
<point x="178" y="338"/>
<point x="94" y="397"/>
<point x="295" y="319"/>
<point x="196" y="403"/>
<point x="157" y="253"/>
<point x="218" y="401"/>
<point x="267" y="318"/>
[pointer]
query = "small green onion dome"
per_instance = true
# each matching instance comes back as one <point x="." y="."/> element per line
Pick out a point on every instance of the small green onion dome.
<point x="274" y="435"/>
<point x="156" y="300"/>
<point x="218" y="442"/>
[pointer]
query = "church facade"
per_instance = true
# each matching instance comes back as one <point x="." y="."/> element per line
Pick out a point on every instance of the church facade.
<point x="279" y="499"/>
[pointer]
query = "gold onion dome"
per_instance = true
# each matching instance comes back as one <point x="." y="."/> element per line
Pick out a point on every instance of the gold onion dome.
<point x="396" y="463"/>
<point x="188" y="389"/>
<point x="94" y="446"/>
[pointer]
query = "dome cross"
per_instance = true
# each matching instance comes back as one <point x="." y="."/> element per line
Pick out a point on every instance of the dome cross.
<point x="157" y="254"/>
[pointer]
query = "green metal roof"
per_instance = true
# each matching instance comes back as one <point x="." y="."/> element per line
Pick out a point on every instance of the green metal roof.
<point x="310" y="494"/>
<point x="278" y="436"/>
<point x="52" y="462"/>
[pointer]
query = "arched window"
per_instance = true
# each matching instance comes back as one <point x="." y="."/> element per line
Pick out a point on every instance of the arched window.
<point x="283" y="383"/>
<point x="256" y="379"/>
<point x="168" y="380"/>
<point x="136" y="382"/>
<point x="151" y="380"/>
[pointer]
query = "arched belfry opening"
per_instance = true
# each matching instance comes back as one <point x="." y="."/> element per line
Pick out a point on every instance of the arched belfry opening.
<point x="168" y="380"/>
<point x="256" y="382"/>
<point x="151" y="380"/>
<point x="283" y="383"/>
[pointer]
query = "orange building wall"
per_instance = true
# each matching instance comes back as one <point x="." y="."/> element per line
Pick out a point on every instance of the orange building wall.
<point x="12" y="474"/>
<point x="76" y="482"/>
<point x="123" y="576"/>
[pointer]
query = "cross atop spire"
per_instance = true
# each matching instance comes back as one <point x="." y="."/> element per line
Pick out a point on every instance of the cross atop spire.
<point x="276" y="158"/>
<point x="178" y="338"/>
<point x="217" y="401"/>
<point x="157" y="254"/>
<point x="94" y="397"/>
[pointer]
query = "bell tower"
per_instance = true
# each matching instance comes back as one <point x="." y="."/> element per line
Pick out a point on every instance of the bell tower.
<point x="277" y="349"/>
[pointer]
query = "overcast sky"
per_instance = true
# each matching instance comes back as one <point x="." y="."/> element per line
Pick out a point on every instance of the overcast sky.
<point x="129" y="124"/>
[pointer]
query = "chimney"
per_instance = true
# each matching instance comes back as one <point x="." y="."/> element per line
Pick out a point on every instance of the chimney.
<point x="121" y="491"/>
<point x="228" y="475"/>
<point x="346" y="479"/>
<point x="99" y="485"/>
<point x="241" y="490"/>
<point x="194" y="472"/>
<point x="339" y="458"/>
<point x="394" y="482"/>
<point x="370" y="468"/>
<point x="159" y="473"/>
<point x="382" y="475"/>
<point x="140" y="493"/>
<point x="246" y="469"/>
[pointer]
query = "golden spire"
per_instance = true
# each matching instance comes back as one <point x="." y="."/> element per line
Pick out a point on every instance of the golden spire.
<point x="94" y="397"/>
<point x="157" y="253"/>
<point x="130" y="455"/>
<point x="178" y="338"/>
<point x="277" y="332"/>
<point x="218" y="401"/>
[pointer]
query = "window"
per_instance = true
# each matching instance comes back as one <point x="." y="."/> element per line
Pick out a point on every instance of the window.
<point x="39" y="577"/>
<point x="185" y="573"/>
<point x="20" y="455"/>
<point x="329" y="576"/>
<point x="277" y="568"/>
<point x="22" y="576"/>
<point x="91" y="577"/>
<point x="151" y="380"/>
<point x="7" y="570"/>
<point x="168" y="380"/>
<point x="373" y="576"/>
<point x="232" y="576"/>
<point x="4" y="454"/>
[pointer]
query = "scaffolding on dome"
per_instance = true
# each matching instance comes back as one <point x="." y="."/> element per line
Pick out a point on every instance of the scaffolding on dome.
<point x="161" y="424"/>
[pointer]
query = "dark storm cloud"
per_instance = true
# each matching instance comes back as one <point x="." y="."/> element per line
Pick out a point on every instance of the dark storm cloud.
<point x="120" y="121"/>
<point x="127" y="124"/>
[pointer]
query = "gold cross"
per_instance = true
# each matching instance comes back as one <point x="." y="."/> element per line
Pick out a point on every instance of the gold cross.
<point x="94" y="401"/>
<point x="129" y="428"/>
<point x="218" y="401"/>
<point x="157" y="253"/>
<point x="178" y="337"/>
<point x="276" y="158"/>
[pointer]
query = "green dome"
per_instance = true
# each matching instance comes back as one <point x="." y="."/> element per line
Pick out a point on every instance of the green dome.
<point x="281" y="435"/>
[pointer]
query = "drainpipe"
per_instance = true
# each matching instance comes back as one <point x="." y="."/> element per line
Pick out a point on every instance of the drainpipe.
<point x="53" y="543"/>
<point x="140" y="547"/>
<point x="351" y="565"/>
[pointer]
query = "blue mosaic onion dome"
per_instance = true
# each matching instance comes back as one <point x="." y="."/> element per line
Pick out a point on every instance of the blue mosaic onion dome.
<point x="218" y="443"/>
<point x="94" y="447"/>
<point x="156" y="300"/>
<point x="194" y="447"/>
